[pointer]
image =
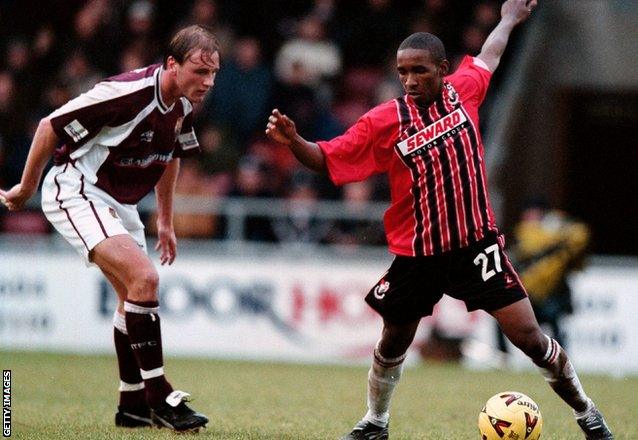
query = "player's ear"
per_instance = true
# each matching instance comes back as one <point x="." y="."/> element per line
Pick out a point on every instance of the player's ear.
<point x="171" y="64"/>
<point x="444" y="67"/>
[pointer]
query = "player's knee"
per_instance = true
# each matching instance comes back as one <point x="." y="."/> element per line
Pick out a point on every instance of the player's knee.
<point x="395" y="342"/>
<point x="530" y="340"/>
<point x="145" y="285"/>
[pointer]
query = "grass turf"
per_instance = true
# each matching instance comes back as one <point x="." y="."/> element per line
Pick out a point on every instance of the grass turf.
<point x="59" y="396"/>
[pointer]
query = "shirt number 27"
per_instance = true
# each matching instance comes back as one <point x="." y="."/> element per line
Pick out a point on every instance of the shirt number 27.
<point x="483" y="259"/>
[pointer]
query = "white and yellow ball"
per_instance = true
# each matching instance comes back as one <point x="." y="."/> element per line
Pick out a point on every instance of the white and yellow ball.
<point x="510" y="415"/>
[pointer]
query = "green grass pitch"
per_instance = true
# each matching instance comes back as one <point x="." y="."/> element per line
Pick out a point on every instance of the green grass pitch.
<point x="66" y="397"/>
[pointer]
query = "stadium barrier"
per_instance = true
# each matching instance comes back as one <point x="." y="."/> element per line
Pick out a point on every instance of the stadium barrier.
<point x="271" y="304"/>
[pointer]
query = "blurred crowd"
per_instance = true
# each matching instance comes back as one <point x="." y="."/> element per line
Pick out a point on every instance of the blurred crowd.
<point x="323" y="62"/>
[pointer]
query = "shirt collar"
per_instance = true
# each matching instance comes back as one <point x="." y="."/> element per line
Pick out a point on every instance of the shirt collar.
<point x="158" y="94"/>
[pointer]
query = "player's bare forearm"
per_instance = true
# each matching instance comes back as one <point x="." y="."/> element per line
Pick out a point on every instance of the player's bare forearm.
<point x="164" y="193"/>
<point x="44" y="142"/>
<point x="309" y="154"/>
<point x="42" y="147"/>
<point x="513" y="12"/>
<point x="495" y="45"/>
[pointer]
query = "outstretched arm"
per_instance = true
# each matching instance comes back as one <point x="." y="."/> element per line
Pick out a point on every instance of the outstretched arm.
<point x="282" y="129"/>
<point x="513" y="12"/>
<point x="44" y="142"/>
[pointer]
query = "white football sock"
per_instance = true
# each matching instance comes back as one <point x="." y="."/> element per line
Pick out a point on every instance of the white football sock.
<point x="382" y="378"/>
<point x="559" y="373"/>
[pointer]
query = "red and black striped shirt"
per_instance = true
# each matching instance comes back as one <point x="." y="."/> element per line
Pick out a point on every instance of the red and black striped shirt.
<point x="434" y="159"/>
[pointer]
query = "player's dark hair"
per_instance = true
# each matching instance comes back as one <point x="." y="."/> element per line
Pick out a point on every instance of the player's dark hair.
<point x="190" y="39"/>
<point x="425" y="41"/>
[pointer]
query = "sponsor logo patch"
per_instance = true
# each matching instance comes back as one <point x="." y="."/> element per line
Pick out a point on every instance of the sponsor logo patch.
<point x="433" y="134"/>
<point x="76" y="130"/>
<point x="188" y="141"/>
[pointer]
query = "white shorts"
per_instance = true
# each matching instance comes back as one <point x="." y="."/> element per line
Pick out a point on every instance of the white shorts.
<point x="84" y="214"/>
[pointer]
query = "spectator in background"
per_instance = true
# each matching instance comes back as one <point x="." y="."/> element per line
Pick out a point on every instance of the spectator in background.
<point x="389" y="86"/>
<point x="140" y="20"/>
<point x="278" y="161"/>
<point x="549" y="247"/>
<point x="133" y="57"/>
<point x="253" y="181"/>
<point x="310" y="58"/>
<point x="2" y="156"/>
<point x="7" y="106"/>
<point x="301" y="225"/>
<point x="220" y="153"/>
<point x="354" y="232"/>
<point x="119" y="36"/>
<point x="78" y="74"/>
<point x="15" y="149"/>
<point x="367" y="32"/>
<point x="43" y="44"/>
<point x="207" y="13"/>
<point x="192" y="183"/>
<point x="303" y="67"/>
<point x="13" y="137"/>
<point x="298" y="99"/>
<point x="54" y="96"/>
<point x="240" y="100"/>
<point x="445" y="17"/>
<point x="472" y="39"/>
<point x="18" y="56"/>
<point x="324" y="10"/>
<point x="25" y="85"/>
<point x="98" y="33"/>
<point x="485" y="15"/>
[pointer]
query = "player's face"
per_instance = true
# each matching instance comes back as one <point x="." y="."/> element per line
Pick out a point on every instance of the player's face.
<point x="196" y="75"/>
<point x="422" y="78"/>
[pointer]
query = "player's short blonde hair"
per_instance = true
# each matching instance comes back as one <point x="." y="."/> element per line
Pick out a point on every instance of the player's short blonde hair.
<point x="188" y="40"/>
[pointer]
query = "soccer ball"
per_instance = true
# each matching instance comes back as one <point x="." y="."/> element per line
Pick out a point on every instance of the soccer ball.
<point x="510" y="415"/>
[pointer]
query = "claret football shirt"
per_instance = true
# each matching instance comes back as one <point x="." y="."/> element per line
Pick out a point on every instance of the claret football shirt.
<point x="434" y="160"/>
<point x="121" y="136"/>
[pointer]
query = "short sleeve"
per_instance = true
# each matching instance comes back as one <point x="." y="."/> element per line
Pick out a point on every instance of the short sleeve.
<point x="364" y="149"/>
<point x="471" y="80"/>
<point x="186" y="143"/>
<point x="82" y="118"/>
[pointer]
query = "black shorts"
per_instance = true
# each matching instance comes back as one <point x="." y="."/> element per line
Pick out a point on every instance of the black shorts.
<point x="481" y="275"/>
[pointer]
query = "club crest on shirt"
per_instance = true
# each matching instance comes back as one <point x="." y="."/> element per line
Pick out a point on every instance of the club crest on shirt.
<point x="147" y="136"/>
<point x="452" y="95"/>
<point x="178" y="126"/>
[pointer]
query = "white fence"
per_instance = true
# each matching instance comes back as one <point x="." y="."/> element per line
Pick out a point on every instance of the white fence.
<point x="277" y="306"/>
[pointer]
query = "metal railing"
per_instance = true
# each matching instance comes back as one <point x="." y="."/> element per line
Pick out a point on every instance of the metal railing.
<point x="236" y="210"/>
